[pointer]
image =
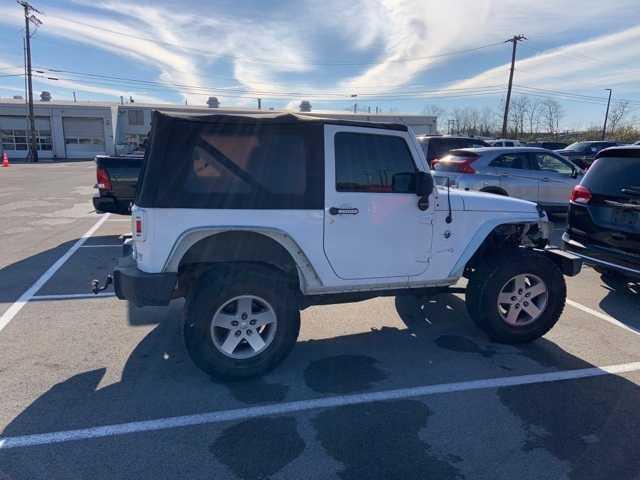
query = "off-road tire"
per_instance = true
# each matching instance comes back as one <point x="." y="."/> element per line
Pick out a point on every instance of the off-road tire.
<point x="486" y="281"/>
<point x="217" y="287"/>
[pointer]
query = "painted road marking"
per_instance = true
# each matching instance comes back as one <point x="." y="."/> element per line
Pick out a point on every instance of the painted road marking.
<point x="603" y="316"/>
<point x="305" y="405"/>
<point x="13" y="310"/>
<point x="71" y="296"/>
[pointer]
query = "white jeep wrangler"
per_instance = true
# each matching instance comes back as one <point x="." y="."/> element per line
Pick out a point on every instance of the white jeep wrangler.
<point x="255" y="217"/>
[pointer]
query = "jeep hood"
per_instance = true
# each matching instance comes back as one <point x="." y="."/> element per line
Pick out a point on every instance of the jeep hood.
<point x="488" y="202"/>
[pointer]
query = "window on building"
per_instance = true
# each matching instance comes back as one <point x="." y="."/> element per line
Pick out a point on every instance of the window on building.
<point x="136" y="117"/>
<point x="135" y="139"/>
<point x="368" y="162"/>
<point x="17" y="139"/>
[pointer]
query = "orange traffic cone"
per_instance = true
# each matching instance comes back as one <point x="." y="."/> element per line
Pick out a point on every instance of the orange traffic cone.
<point x="5" y="160"/>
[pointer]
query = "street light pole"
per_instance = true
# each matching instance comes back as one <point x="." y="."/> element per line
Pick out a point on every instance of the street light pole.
<point x="606" y="115"/>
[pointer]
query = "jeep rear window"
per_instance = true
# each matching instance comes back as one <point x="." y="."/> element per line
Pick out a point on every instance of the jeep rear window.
<point x="238" y="164"/>
<point x="368" y="162"/>
<point x="241" y="164"/>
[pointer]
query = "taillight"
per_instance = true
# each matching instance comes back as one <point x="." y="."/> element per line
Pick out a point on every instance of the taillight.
<point x="456" y="164"/>
<point x="581" y="194"/>
<point x="138" y="226"/>
<point x="104" y="181"/>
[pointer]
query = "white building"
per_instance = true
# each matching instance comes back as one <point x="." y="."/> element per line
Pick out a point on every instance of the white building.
<point x="64" y="129"/>
<point x="85" y="129"/>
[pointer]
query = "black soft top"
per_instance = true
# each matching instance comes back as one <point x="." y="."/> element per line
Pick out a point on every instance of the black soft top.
<point x="271" y="119"/>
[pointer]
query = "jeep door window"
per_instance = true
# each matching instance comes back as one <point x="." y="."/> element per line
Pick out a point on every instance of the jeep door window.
<point x="368" y="163"/>
<point x="550" y="163"/>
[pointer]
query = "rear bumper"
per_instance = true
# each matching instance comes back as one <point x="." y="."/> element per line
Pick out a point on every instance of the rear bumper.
<point x="104" y="204"/>
<point x="601" y="256"/>
<point x="568" y="263"/>
<point x="142" y="288"/>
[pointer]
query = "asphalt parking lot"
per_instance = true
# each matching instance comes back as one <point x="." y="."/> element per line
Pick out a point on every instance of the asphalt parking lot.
<point x="387" y="388"/>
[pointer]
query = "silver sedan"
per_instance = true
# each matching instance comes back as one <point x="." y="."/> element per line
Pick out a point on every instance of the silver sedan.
<point x="534" y="174"/>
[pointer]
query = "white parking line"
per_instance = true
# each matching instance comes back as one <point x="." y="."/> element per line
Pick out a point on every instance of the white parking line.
<point x="13" y="310"/>
<point x="603" y="316"/>
<point x="71" y="296"/>
<point x="305" y="405"/>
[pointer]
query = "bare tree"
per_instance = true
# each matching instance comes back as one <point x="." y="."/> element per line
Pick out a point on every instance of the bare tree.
<point x="551" y="112"/>
<point x="458" y="116"/>
<point x="519" y="109"/>
<point x="617" y="114"/>
<point x="434" y="110"/>
<point x="488" y="121"/>
<point x="533" y="115"/>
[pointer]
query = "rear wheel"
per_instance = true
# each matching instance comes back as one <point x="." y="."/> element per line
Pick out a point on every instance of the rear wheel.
<point x="516" y="298"/>
<point x="241" y="322"/>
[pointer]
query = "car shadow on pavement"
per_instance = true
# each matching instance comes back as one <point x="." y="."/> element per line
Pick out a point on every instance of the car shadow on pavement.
<point x="73" y="277"/>
<point x="592" y="425"/>
<point x="622" y="301"/>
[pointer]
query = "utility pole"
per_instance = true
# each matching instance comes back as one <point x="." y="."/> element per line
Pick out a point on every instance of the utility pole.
<point x="606" y="115"/>
<point x="514" y="40"/>
<point x="259" y="104"/>
<point x="28" y="19"/>
<point x="75" y="100"/>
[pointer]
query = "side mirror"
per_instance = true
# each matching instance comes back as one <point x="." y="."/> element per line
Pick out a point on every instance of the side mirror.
<point x="424" y="184"/>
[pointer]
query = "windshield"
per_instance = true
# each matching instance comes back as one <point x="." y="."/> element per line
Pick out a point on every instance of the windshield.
<point x="578" y="146"/>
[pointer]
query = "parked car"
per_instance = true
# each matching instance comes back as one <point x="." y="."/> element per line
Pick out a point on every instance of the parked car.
<point x="436" y="147"/>
<point x="116" y="182"/>
<point x="548" y="145"/>
<point x="604" y="216"/>
<point x="529" y="173"/>
<point x="254" y="218"/>
<point x="583" y="153"/>
<point x="504" y="142"/>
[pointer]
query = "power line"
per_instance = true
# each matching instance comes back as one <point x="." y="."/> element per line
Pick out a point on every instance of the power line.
<point x="118" y="80"/>
<point x="270" y="62"/>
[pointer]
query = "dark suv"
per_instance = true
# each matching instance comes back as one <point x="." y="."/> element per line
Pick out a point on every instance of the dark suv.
<point x="583" y="153"/>
<point x="604" y="214"/>
<point x="438" y="146"/>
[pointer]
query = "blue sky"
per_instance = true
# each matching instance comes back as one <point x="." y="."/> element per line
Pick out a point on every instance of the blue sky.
<point x="393" y="54"/>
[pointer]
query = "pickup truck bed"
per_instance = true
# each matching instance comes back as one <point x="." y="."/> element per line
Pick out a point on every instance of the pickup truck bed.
<point x="117" y="182"/>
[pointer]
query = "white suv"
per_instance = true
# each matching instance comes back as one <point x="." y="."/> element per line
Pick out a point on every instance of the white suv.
<point x="253" y="218"/>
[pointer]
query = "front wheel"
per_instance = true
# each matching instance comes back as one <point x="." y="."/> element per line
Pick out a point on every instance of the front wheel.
<point x="516" y="298"/>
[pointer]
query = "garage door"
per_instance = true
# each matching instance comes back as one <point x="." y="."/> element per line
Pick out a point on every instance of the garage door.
<point x="83" y="136"/>
<point x="14" y="136"/>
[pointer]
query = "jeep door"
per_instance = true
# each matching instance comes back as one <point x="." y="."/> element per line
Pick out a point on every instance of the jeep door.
<point x="373" y="227"/>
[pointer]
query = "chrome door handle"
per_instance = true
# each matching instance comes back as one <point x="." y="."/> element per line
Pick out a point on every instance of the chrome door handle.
<point x="545" y="179"/>
<point x="343" y="211"/>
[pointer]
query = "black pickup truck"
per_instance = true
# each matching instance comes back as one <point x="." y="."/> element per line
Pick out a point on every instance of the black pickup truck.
<point x="117" y="181"/>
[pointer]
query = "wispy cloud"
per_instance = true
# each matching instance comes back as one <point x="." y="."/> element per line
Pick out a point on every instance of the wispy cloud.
<point x="608" y="60"/>
<point x="398" y="40"/>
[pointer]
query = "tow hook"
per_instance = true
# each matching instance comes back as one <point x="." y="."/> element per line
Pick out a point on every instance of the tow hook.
<point x="95" y="285"/>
